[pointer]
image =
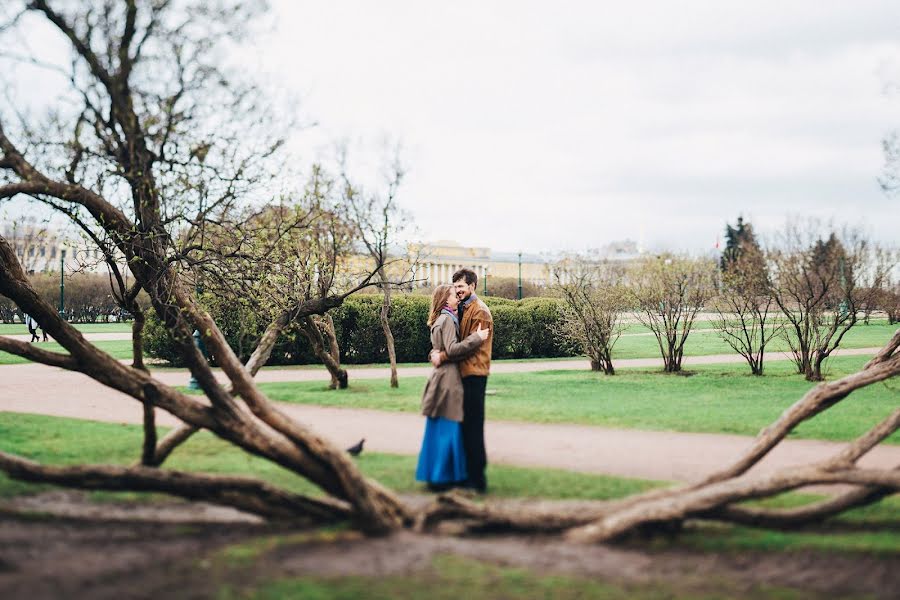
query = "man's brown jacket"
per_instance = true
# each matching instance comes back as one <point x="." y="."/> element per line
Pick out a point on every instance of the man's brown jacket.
<point x="478" y="362"/>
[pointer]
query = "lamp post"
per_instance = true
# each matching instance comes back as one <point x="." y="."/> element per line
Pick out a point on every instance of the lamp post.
<point x="844" y="308"/>
<point x="520" y="275"/>
<point x="62" y="283"/>
<point x="485" y="281"/>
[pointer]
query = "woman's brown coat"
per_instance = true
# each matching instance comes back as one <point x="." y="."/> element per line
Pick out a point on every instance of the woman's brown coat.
<point x="443" y="395"/>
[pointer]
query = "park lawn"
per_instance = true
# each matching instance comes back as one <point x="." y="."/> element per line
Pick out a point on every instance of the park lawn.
<point x="118" y="349"/>
<point x="706" y="341"/>
<point x="19" y="328"/>
<point x="58" y="440"/>
<point x="62" y="441"/>
<point x="713" y="399"/>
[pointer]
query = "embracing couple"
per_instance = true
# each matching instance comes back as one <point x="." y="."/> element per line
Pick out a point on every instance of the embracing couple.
<point x="453" y="452"/>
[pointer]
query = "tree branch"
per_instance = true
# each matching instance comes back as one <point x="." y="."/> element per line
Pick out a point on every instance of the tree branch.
<point x="243" y="493"/>
<point x="35" y="354"/>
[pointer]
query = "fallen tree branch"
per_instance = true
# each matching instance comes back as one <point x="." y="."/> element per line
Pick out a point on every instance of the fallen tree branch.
<point x="713" y="496"/>
<point x="495" y="516"/>
<point x="243" y="493"/>
<point x="785" y="518"/>
<point x="818" y="399"/>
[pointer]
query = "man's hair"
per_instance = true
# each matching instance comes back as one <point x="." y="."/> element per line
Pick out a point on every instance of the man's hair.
<point x="469" y="275"/>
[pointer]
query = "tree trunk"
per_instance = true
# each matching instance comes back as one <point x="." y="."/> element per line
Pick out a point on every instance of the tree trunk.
<point x="386" y="327"/>
<point x="313" y="333"/>
<point x="814" y="370"/>
<point x="137" y="338"/>
<point x="148" y="452"/>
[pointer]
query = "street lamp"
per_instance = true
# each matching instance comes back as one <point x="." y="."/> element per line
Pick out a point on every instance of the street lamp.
<point x="485" y="281"/>
<point x="520" y="275"/>
<point x="62" y="283"/>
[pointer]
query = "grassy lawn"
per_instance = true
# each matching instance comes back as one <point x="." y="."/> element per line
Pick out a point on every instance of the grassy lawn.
<point x="56" y="440"/>
<point x="705" y="341"/>
<point x="716" y="399"/>
<point x="69" y="441"/>
<point x="118" y="349"/>
<point x="19" y="328"/>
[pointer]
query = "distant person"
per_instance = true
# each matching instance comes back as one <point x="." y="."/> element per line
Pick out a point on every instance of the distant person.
<point x="474" y="368"/>
<point x="442" y="459"/>
<point x="32" y="326"/>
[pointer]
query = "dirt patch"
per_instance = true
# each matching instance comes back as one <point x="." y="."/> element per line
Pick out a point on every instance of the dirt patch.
<point x="179" y="549"/>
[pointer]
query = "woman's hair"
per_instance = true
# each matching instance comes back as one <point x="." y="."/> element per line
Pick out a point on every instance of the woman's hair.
<point x="438" y="300"/>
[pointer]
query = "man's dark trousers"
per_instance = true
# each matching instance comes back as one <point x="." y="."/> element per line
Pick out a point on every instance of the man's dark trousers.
<point x="473" y="430"/>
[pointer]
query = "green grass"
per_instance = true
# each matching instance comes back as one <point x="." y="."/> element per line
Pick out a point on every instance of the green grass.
<point x="118" y="349"/>
<point x="69" y="441"/>
<point x="450" y="577"/>
<point x="715" y="399"/>
<point x="705" y="341"/>
<point x="19" y="328"/>
<point x="54" y="440"/>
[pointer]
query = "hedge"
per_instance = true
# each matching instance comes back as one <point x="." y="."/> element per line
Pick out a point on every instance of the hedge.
<point x="522" y="329"/>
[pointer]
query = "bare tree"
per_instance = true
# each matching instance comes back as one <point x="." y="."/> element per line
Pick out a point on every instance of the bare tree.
<point x="595" y="298"/>
<point x="319" y="331"/>
<point x="744" y="309"/>
<point x="669" y="291"/>
<point x="889" y="302"/>
<point x="380" y="224"/>
<point x="820" y="281"/>
<point x="287" y="257"/>
<point x="151" y="151"/>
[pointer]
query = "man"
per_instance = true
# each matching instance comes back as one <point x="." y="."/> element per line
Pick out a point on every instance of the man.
<point x="32" y="328"/>
<point x="474" y="369"/>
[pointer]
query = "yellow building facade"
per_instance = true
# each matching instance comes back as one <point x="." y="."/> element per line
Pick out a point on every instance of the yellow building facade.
<point x="435" y="263"/>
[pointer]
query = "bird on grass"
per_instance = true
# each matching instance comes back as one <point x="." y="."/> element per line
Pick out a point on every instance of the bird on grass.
<point x="355" y="449"/>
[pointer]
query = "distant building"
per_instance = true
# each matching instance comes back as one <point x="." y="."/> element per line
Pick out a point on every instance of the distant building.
<point x="425" y="265"/>
<point x="42" y="249"/>
<point x="438" y="261"/>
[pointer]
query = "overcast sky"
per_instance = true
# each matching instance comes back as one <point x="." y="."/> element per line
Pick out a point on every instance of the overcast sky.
<point x="553" y="126"/>
<point x="548" y="126"/>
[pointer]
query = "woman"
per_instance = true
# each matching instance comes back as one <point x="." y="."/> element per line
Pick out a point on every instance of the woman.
<point x="442" y="460"/>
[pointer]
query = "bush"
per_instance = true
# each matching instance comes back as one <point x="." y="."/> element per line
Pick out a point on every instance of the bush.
<point x="522" y="329"/>
<point x="547" y="339"/>
<point x="513" y="332"/>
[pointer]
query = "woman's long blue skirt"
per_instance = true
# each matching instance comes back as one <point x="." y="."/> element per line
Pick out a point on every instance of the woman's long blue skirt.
<point x="443" y="456"/>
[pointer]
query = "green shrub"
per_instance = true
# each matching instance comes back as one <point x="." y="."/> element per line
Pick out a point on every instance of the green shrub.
<point x="513" y="331"/>
<point x="526" y="328"/>
<point x="546" y="337"/>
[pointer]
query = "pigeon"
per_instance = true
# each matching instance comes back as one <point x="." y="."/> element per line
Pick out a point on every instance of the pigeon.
<point x="356" y="448"/>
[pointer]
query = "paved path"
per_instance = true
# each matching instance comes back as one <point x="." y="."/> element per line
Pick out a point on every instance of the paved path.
<point x="671" y="456"/>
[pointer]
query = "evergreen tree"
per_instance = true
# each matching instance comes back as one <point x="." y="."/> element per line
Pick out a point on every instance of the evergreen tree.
<point x="739" y="240"/>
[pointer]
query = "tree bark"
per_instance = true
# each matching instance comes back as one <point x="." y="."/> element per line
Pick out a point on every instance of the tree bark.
<point x="313" y="333"/>
<point x="386" y="328"/>
<point x="245" y="494"/>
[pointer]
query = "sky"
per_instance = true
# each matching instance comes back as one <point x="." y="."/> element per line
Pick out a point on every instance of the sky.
<point x="562" y="126"/>
<point x="548" y="127"/>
